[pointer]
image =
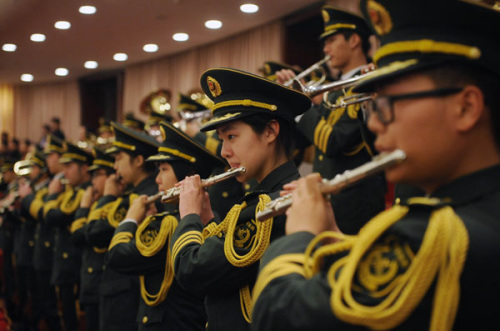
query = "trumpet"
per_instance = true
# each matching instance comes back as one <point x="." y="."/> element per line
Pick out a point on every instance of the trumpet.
<point x="188" y="116"/>
<point x="343" y="102"/>
<point x="171" y="195"/>
<point x="317" y="66"/>
<point x="313" y="91"/>
<point x="338" y="183"/>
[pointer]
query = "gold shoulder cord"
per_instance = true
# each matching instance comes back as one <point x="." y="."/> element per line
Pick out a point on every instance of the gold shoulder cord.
<point x="442" y="254"/>
<point x="259" y="246"/>
<point x="69" y="205"/>
<point x="151" y="248"/>
<point x="37" y="203"/>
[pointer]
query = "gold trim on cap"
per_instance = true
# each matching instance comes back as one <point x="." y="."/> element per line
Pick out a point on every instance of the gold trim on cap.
<point x="340" y="26"/>
<point x="244" y="103"/>
<point x="74" y="156"/>
<point x="427" y="46"/>
<point x="131" y="123"/>
<point x="104" y="163"/>
<point x="178" y="153"/>
<point x="123" y="145"/>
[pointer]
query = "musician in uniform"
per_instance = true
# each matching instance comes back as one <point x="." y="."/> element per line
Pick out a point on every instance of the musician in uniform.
<point x="39" y="248"/>
<point x="254" y="118"/>
<point x="59" y="213"/>
<point x="119" y="293"/>
<point x="92" y="256"/>
<point x="429" y="263"/>
<point x="141" y="246"/>
<point x="340" y="135"/>
<point x="134" y="123"/>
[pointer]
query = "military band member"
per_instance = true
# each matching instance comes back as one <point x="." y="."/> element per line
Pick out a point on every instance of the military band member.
<point x="134" y="123"/>
<point x="254" y="119"/>
<point x="119" y="293"/>
<point x="32" y="195"/>
<point x="142" y="246"/>
<point x="92" y="256"/>
<point x="340" y="135"/>
<point x="429" y="263"/>
<point x="59" y="213"/>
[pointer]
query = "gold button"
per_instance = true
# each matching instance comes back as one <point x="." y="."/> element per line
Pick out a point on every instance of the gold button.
<point x="31" y="243"/>
<point x="144" y="319"/>
<point x="225" y="194"/>
<point x="47" y="244"/>
<point x="397" y="201"/>
<point x="320" y="157"/>
<point x="65" y="255"/>
<point x="90" y="270"/>
<point x="247" y="186"/>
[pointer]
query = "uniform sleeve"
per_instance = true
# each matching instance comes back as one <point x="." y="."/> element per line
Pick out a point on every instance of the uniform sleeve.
<point x="53" y="216"/>
<point x="332" y="132"/>
<point x="123" y="255"/>
<point x="98" y="231"/>
<point x="292" y="302"/>
<point x="202" y="266"/>
<point x="77" y="227"/>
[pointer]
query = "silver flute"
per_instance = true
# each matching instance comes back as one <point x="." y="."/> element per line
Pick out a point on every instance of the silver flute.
<point x="172" y="194"/>
<point x="349" y="177"/>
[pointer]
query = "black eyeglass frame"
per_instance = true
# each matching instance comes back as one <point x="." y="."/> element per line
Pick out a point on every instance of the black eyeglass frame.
<point x="371" y="107"/>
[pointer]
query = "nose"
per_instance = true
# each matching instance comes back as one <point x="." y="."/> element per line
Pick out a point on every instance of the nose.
<point x="158" y="179"/>
<point x="226" y="150"/>
<point x="374" y="124"/>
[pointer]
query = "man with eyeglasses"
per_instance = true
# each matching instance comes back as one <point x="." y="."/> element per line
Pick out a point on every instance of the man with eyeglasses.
<point x="430" y="262"/>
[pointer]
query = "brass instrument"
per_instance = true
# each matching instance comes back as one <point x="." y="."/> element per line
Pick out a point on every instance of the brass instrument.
<point x="317" y="66"/>
<point x="313" y="91"/>
<point x="188" y="116"/>
<point x="345" y="101"/>
<point x="171" y="195"/>
<point x="338" y="183"/>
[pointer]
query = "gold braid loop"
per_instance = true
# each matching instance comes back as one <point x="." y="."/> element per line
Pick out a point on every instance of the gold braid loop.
<point x="69" y="205"/>
<point x="168" y="225"/>
<point x="442" y="254"/>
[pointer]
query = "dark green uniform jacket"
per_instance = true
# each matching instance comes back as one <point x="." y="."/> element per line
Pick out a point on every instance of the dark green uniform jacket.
<point x="180" y="310"/>
<point x="119" y="293"/>
<point x="291" y="302"/>
<point x="59" y="213"/>
<point x="205" y="269"/>
<point x="343" y="143"/>
<point x="44" y="238"/>
<point x="92" y="258"/>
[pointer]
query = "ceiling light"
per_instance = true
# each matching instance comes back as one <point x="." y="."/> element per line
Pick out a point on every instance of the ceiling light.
<point x="62" y="72"/>
<point x="87" y="10"/>
<point x="27" y="77"/>
<point x="9" y="47"/>
<point x="90" y="64"/>
<point x="62" y="25"/>
<point x="120" y="57"/>
<point x="249" y="8"/>
<point x="150" y="48"/>
<point x="180" y="36"/>
<point x="37" y="37"/>
<point x="213" y="24"/>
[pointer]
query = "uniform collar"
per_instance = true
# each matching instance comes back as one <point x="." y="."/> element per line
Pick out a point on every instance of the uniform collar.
<point x="470" y="187"/>
<point x="145" y="184"/>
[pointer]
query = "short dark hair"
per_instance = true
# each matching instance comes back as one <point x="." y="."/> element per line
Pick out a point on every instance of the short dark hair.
<point x="56" y="119"/>
<point x="461" y="74"/>
<point x="149" y="167"/>
<point x="365" y="40"/>
<point x="285" y="140"/>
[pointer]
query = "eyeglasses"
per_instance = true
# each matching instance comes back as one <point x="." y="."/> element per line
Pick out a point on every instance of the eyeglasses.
<point x="383" y="107"/>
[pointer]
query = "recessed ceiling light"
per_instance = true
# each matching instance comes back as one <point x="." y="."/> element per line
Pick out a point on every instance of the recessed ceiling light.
<point x="213" y="24"/>
<point x="62" y="72"/>
<point x="249" y="8"/>
<point x="37" y="37"/>
<point x="9" y="47"/>
<point x="120" y="57"/>
<point x="87" y="10"/>
<point x="27" y="77"/>
<point x="90" y="64"/>
<point x="180" y="36"/>
<point x="150" y="48"/>
<point x="62" y="25"/>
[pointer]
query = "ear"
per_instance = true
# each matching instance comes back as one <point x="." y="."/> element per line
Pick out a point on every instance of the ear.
<point x="471" y="108"/>
<point x="354" y="41"/>
<point x="139" y="161"/>
<point x="272" y="131"/>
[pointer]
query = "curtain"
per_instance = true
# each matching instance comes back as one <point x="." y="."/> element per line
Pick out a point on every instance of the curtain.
<point x="181" y="72"/>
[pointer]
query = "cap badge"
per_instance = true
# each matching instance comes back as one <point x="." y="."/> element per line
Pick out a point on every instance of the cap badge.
<point x="267" y="69"/>
<point x="379" y="17"/>
<point x="213" y="86"/>
<point x="326" y="16"/>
